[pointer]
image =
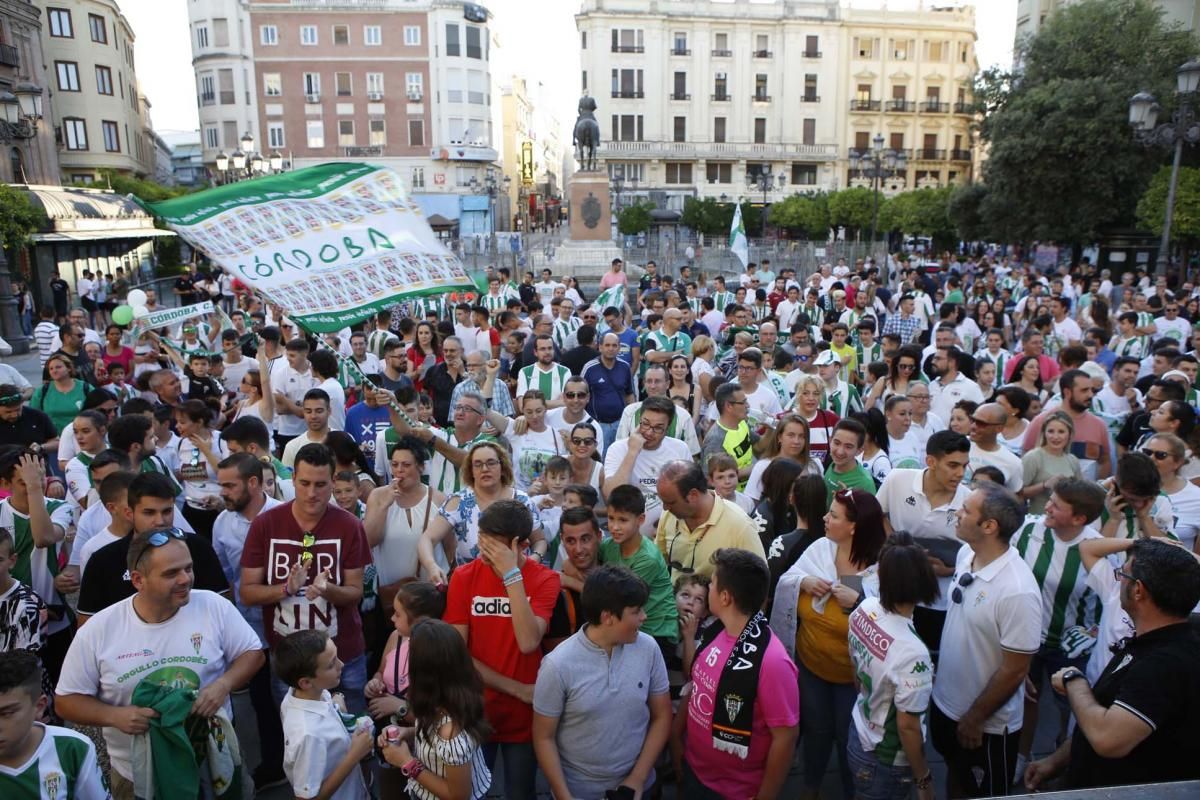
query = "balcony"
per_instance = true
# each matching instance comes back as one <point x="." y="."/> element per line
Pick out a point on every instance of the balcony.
<point x="9" y="56"/>
<point x="312" y="97"/>
<point x="928" y="154"/>
<point x="375" y="97"/>
<point x="960" y="155"/>
<point x="680" y="51"/>
<point x="935" y="107"/>
<point x="677" y="96"/>
<point x="810" y="98"/>
<point x="208" y="99"/>
<point x="964" y="108"/>
<point x="904" y="106"/>
<point x="722" y="54"/>
<point x="762" y="98"/>
<point x="683" y="151"/>
<point x="720" y="97"/>
<point x="763" y="54"/>
<point x="858" y="104"/>
<point x="628" y="48"/>
<point x="629" y="94"/>
<point x="811" y="54"/>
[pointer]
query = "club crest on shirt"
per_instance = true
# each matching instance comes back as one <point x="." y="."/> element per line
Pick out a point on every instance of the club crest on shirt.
<point x="51" y="783"/>
<point x="197" y="640"/>
<point x="733" y="704"/>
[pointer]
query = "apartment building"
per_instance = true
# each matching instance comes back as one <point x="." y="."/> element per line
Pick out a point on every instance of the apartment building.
<point x="1032" y="14"/>
<point x="223" y="61"/>
<point x="34" y="159"/>
<point x="698" y="95"/>
<point x="99" y="117"/>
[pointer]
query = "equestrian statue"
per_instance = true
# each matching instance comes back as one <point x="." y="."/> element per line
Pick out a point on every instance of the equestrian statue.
<point x="587" y="134"/>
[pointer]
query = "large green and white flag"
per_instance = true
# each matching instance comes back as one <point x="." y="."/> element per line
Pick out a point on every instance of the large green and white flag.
<point x="737" y="237"/>
<point x="613" y="296"/>
<point x="331" y="244"/>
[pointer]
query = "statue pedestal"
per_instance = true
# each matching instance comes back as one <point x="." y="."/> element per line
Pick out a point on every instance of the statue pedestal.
<point x="591" y="213"/>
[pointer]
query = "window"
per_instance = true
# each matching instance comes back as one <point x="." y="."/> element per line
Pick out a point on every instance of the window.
<point x="312" y="84"/>
<point x="865" y="47"/>
<point x="760" y="87"/>
<point x="268" y="35"/>
<point x="376" y="133"/>
<point x="454" y="86"/>
<point x="719" y="129"/>
<point x="762" y="45"/>
<point x="474" y="49"/>
<point x="98" y="29"/>
<point x="896" y="141"/>
<point x="416" y="133"/>
<point x="414" y="85"/>
<point x="627" y="127"/>
<point x="760" y="130"/>
<point x="412" y="36"/>
<point x="208" y="89"/>
<point x="112" y="136"/>
<point x="220" y="32"/>
<point x="627" y="83"/>
<point x="346" y="133"/>
<point x="343" y="83"/>
<point x="75" y="133"/>
<point x="810" y="88"/>
<point x="628" y="40"/>
<point x="212" y="137"/>
<point x="315" y="129"/>
<point x="811" y="47"/>
<point x="272" y="84"/>
<point x="275" y="138"/>
<point x="680" y="47"/>
<point x="901" y="49"/>
<point x="680" y="92"/>
<point x="341" y="34"/>
<point x="233" y="139"/>
<point x="964" y="52"/>
<point x="374" y="84"/>
<point x="225" y="86"/>
<point x="864" y="93"/>
<point x="936" y="51"/>
<point x="721" y="44"/>
<point x="930" y="145"/>
<point x="68" y="76"/>
<point x="201" y="36"/>
<point x="60" y="28"/>
<point x="680" y="129"/>
<point x="804" y="174"/>
<point x="104" y="80"/>
<point x="900" y="92"/>
<point x="373" y="35"/>
<point x="720" y="87"/>
<point x="679" y="173"/>
<point x="308" y="36"/>
<point x="719" y="173"/>
<point x="862" y="141"/>
<point x="417" y="177"/>
<point x="476" y="87"/>
<point x="452" y="45"/>
<point x="808" y="133"/>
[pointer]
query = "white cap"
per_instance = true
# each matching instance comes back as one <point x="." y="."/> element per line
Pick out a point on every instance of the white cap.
<point x="828" y="357"/>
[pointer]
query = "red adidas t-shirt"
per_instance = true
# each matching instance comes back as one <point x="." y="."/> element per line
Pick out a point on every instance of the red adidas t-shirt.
<point x="477" y="598"/>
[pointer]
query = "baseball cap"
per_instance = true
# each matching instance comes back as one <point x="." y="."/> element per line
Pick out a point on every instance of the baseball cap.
<point x="828" y="357"/>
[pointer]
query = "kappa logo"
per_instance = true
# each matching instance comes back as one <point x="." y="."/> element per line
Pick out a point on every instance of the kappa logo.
<point x="910" y="501"/>
<point x="919" y="668"/>
<point x="491" y="607"/>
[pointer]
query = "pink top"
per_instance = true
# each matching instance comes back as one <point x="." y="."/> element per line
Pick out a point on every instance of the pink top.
<point x="611" y="279"/>
<point x="394" y="668"/>
<point x="776" y="705"/>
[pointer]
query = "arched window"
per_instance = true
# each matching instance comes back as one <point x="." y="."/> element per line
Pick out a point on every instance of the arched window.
<point x="17" y="162"/>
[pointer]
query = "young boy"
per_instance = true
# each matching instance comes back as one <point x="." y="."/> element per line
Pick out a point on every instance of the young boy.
<point x="116" y="385"/>
<point x="199" y="384"/>
<point x="867" y="350"/>
<point x="555" y="477"/>
<point x="1127" y="342"/>
<point x="691" y="602"/>
<point x="36" y="760"/>
<point x="838" y="336"/>
<point x="320" y="756"/>
<point x="723" y="478"/>
<point x="114" y="493"/>
<point x="627" y="547"/>
<point x="844" y="471"/>
<point x="580" y="495"/>
<point x="345" y="493"/>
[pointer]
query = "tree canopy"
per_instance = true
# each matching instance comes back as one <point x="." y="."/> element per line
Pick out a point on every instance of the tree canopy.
<point x="19" y="217"/>
<point x="806" y="214"/>
<point x="634" y="219"/>
<point x="1152" y="208"/>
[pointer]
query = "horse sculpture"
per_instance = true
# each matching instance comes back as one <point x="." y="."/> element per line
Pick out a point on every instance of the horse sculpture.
<point x="587" y="134"/>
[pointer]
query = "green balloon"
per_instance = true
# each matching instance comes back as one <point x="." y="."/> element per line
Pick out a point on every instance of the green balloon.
<point x="122" y="315"/>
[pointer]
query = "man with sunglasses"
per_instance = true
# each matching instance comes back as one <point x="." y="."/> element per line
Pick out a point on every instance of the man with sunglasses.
<point x="576" y="396"/>
<point x="987" y="422"/>
<point x="164" y="635"/>
<point x="993" y="629"/>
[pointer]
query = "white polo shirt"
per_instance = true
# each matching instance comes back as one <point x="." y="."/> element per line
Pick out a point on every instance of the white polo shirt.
<point x="1001" y="610"/>
<point x="903" y="500"/>
<point x="945" y="396"/>
<point x="1002" y="459"/>
<point x="314" y="742"/>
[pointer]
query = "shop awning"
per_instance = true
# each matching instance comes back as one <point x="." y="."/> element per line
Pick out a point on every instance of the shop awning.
<point x="92" y="236"/>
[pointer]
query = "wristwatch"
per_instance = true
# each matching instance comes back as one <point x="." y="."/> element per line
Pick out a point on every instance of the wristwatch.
<point x="1070" y="674"/>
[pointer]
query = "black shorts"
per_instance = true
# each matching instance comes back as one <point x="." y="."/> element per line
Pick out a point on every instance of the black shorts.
<point x="996" y="759"/>
<point x="88" y="303"/>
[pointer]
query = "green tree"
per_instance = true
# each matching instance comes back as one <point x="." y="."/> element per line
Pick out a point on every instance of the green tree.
<point x="806" y="214"/>
<point x="143" y="189"/>
<point x="965" y="211"/>
<point x="853" y="208"/>
<point x="19" y="217"/>
<point x="635" y="219"/>
<point x="1062" y="164"/>
<point x="1152" y="207"/>
<point x="703" y="215"/>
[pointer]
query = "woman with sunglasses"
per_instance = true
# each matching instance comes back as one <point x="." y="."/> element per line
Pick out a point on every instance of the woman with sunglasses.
<point x="1179" y="418"/>
<point x="811" y="616"/>
<point x="788" y="439"/>
<point x="584" y="455"/>
<point x="1169" y="454"/>
<point x="1050" y="461"/>
<point x="902" y="372"/>
<point x="487" y="476"/>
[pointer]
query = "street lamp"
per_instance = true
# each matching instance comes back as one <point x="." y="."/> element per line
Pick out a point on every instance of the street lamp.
<point x="878" y="165"/>
<point x="1183" y="127"/>
<point x="247" y="162"/>
<point x="20" y="111"/>
<point x="764" y="182"/>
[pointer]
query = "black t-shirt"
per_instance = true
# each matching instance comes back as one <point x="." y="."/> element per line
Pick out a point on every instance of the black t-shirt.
<point x="31" y="427"/>
<point x="184" y="284"/>
<point x="567" y="617"/>
<point x="1154" y="677"/>
<point x="1136" y="426"/>
<point x="106" y="579"/>
<point x="577" y="357"/>
<point x="439" y="385"/>
<point x="61" y="291"/>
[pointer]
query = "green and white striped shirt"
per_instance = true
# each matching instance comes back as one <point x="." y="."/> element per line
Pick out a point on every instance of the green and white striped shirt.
<point x="494" y="303"/>
<point x="377" y="339"/>
<point x="37" y="567"/>
<point x="1058" y="569"/>
<point x="551" y="382"/>
<point x="563" y="330"/>
<point x="64" y="767"/>
<point x="722" y="299"/>
<point x="842" y="400"/>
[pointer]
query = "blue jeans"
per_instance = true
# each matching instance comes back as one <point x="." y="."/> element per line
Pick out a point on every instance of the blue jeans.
<point x="520" y="767"/>
<point x="354" y="682"/>
<point x="875" y="781"/>
<point x="825" y="715"/>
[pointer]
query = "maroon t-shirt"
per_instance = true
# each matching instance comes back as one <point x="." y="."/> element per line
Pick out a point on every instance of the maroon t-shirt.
<point x="275" y="542"/>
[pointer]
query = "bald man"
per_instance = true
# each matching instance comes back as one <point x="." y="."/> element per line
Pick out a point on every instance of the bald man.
<point x="986" y="451"/>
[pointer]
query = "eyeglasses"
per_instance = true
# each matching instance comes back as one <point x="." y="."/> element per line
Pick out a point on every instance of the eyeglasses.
<point x="588" y="442"/>
<point x="575" y="395"/>
<point x="738" y="402"/>
<point x="491" y="463"/>
<point x="465" y="408"/>
<point x="964" y="580"/>
<point x="653" y="428"/>
<point x="803" y="358"/>
<point x="983" y="423"/>
<point x="1119" y="574"/>
<point x="158" y="539"/>
<point x="1157" y="455"/>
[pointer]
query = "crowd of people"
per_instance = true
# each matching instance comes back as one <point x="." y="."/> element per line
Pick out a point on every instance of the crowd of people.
<point x="675" y="535"/>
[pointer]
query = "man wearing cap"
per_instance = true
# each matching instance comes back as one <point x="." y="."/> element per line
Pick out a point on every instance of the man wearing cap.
<point x="840" y="397"/>
<point x="22" y="425"/>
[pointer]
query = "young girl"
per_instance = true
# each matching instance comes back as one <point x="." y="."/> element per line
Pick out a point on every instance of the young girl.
<point x="1050" y="461"/>
<point x="446" y="699"/>
<point x="386" y="691"/>
<point x="116" y="385"/>
<point x="90" y="429"/>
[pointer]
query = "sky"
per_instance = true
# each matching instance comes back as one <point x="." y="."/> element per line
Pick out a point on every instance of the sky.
<point x="537" y="39"/>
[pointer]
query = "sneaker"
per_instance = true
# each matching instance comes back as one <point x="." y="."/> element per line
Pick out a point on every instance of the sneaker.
<point x="265" y="778"/>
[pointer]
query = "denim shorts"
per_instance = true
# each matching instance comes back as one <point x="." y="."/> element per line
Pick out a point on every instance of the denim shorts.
<point x="873" y="780"/>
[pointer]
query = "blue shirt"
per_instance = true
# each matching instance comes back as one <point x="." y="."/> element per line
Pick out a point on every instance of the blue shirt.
<point x="629" y="340"/>
<point x="1106" y="358"/>
<point x="364" y="423"/>
<point x="609" y="388"/>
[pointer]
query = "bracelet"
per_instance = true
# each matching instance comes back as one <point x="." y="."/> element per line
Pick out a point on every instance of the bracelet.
<point x="506" y="577"/>
<point x="412" y="769"/>
<point x="518" y="578"/>
<point x="926" y="782"/>
<point x="286" y="591"/>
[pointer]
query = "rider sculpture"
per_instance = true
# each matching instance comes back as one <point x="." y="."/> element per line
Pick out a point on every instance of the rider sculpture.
<point x="587" y="134"/>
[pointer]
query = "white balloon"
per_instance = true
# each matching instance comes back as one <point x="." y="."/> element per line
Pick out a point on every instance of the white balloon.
<point x="690" y="252"/>
<point x="135" y="298"/>
<point x="140" y="311"/>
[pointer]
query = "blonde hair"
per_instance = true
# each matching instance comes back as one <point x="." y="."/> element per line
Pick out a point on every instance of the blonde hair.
<point x="1062" y="417"/>
<point x="702" y="344"/>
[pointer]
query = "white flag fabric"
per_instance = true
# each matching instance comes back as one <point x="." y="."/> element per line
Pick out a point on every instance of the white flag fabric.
<point x="737" y="237"/>
<point x="612" y="296"/>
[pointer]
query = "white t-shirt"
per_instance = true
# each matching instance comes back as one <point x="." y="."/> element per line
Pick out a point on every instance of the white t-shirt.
<point x="884" y="647"/>
<point x="1115" y="622"/>
<point x="545" y="290"/>
<point x="314" y="742"/>
<point x="116" y="651"/>
<point x="1186" y="503"/>
<point x="1000" y="610"/>
<point x="554" y="419"/>
<point x="104" y="537"/>
<point x="933" y="424"/>
<point x="1068" y="331"/>
<point x="644" y="474"/>
<point x="197" y="475"/>
<point x="1177" y="329"/>
<point x="530" y="452"/>
<point x="907" y="453"/>
<point x="1003" y="459"/>
<point x="293" y="385"/>
<point x="337" y="403"/>
<point x="945" y="396"/>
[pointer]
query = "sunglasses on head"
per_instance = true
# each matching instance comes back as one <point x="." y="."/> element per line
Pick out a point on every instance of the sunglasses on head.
<point x="158" y="539"/>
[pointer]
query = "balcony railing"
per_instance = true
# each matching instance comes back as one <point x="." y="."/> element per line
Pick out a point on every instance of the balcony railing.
<point x="682" y="151"/>
<point x="906" y="106"/>
<point x="964" y="108"/>
<point x="722" y="53"/>
<point x="677" y="96"/>
<point x="935" y="107"/>
<point x="628" y="94"/>
<point x="763" y="54"/>
<point x="811" y="54"/>
<point x="762" y="98"/>
<point x="857" y="104"/>
<point x="810" y="98"/>
<point x="853" y="151"/>
<point x="208" y="98"/>
<point x="960" y="155"/>
<point x="929" y="154"/>
<point x="628" y="48"/>
<point x="9" y="56"/>
<point x="680" y="51"/>
<point x="720" y="97"/>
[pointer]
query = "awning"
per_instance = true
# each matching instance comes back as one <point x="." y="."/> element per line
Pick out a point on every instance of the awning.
<point x="438" y="221"/>
<point x="92" y="236"/>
